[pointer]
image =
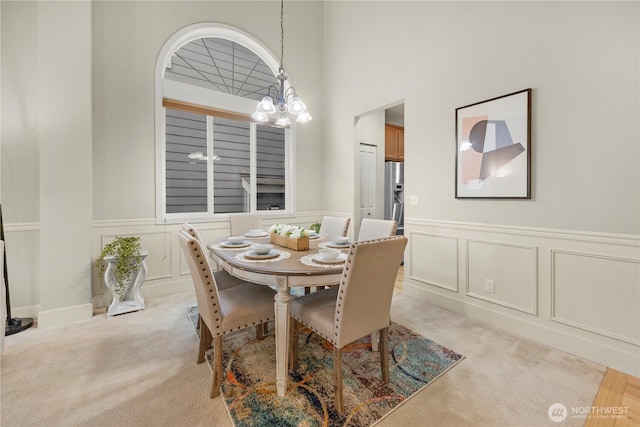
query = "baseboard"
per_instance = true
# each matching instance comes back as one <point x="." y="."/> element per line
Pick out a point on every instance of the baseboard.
<point x="64" y="315"/>
<point x="628" y="362"/>
<point x="26" y="312"/>
<point x="148" y="291"/>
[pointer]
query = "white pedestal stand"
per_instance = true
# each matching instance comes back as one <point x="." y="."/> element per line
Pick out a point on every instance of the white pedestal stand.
<point x="132" y="298"/>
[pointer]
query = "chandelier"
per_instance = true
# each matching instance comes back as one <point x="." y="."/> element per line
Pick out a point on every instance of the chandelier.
<point x="286" y="101"/>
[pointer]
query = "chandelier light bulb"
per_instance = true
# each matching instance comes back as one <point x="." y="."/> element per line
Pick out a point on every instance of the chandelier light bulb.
<point x="303" y="117"/>
<point x="296" y="106"/>
<point x="283" y="120"/>
<point x="266" y="105"/>
<point x="260" y="116"/>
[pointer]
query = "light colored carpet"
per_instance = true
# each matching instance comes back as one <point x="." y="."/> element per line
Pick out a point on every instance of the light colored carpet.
<point x="139" y="369"/>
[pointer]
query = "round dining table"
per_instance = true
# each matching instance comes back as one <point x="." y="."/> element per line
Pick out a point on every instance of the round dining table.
<point x="289" y="269"/>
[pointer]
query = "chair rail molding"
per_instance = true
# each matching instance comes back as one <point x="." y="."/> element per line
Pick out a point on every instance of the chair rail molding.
<point x="21" y="226"/>
<point x="589" y="236"/>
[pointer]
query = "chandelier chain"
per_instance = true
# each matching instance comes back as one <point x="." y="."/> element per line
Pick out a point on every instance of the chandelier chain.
<point x="282" y="34"/>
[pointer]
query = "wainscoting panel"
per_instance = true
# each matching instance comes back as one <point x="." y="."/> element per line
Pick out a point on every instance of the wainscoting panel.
<point x="158" y="244"/>
<point x="583" y="284"/>
<point x="511" y="268"/>
<point x="434" y="260"/>
<point x="167" y="270"/>
<point x="22" y="251"/>
<point x="575" y="291"/>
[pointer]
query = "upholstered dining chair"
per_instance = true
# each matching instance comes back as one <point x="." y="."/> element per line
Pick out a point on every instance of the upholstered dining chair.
<point x="358" y="307"/>
<point x="223" y="310"/>
<point x="224" y="280"/>
<point x="332" y="226"/>
<point x="376" y="229"/>
<point x="243" y="222"/>
<point x="192" y="230"/>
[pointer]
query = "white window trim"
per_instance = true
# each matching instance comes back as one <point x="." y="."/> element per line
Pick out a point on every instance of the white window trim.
<point x="182" y="92"/>
<point x="210" y="167"/>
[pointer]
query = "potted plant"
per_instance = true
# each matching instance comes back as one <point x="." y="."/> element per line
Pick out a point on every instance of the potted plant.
<point x="121" y="263"/>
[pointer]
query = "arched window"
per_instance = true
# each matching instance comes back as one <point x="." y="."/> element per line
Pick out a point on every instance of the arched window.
<point x="211" y="158"/>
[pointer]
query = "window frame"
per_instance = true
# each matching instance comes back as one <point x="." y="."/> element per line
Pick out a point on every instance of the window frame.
<point x="218" y="101"/>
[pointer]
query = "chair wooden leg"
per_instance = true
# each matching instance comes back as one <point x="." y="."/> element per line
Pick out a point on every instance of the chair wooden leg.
<point x="205" y="340"/>
<point x="259" y="332"/>
<point x="337" y="379"/>
<point x="216" y="377"/>
<point x="384" y="354"/>
<point x="293" y="345"/>
<point x="262" y="330"/>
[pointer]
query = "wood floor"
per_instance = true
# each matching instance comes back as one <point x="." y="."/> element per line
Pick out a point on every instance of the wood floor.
<point x="399" y="279"/>
<point x="617" y="403"/>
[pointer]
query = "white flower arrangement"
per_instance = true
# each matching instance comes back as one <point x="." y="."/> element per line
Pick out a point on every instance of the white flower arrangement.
<point x="290" y="231"/>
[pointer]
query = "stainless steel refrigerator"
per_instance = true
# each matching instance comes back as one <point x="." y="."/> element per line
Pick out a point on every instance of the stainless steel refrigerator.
<point x="394" y="193"/>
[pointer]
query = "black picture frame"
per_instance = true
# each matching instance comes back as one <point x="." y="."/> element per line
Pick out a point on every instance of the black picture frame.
<point x="493" y="148"/>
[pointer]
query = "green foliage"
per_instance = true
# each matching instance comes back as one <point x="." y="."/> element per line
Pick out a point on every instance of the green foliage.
<point x="315" y="227"/>
<point x="127" y="250"/>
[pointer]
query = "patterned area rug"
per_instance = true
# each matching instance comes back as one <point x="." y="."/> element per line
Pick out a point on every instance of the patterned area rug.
<point x="249" y="390"/>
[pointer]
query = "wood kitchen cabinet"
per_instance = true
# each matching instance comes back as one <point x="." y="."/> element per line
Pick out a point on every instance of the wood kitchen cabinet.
<point x="394" y="143"/>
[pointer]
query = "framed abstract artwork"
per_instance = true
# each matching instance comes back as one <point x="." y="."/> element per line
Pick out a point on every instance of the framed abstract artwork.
<point x="493" y="148"/>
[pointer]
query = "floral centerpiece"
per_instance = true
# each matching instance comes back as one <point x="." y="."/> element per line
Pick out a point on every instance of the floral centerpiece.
<point x="291" y="236"/>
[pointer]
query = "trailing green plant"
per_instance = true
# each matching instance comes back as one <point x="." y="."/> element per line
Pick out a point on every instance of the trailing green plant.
<point x="127" y="251"/>
<point x="315" y="227"/>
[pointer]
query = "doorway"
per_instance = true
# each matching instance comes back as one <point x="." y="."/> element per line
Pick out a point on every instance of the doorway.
<point x="369" y="167"/>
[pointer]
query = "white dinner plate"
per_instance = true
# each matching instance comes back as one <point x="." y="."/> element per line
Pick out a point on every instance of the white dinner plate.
<point x="252" y="255"/>
<point x="338" y="245"/>
<point x="235" y="245"/>
<point x="338" y="260"/>
<point x="315" y="236"/>
<point x="255" y="235"/>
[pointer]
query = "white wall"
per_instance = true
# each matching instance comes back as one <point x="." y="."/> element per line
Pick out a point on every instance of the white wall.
<point x="580" y="58"/>
<point x="64" y="98"/>
<point x="128" y="37"/>
<point x="20" y="133"/>
<point x="52" y="175"/>
<point x="20" y="152"/>
<point x="582" y="61"/>
<point x="47" y="157"/>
